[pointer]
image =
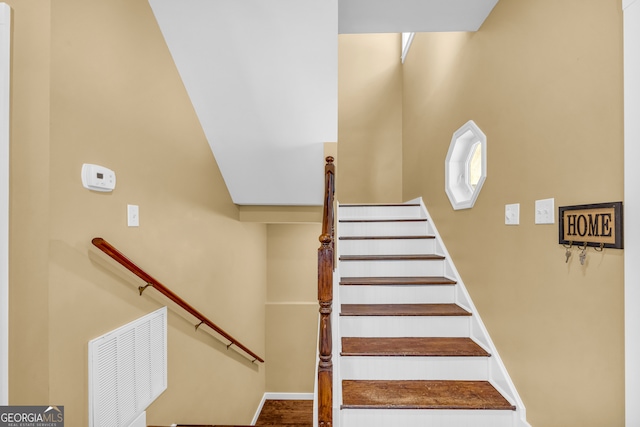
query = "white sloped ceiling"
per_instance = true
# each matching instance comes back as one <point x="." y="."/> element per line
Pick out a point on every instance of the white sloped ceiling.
<point x="263" y="78"/>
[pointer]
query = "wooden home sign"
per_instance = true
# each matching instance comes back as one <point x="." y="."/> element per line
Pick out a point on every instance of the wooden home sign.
<point x="598" y="225"/>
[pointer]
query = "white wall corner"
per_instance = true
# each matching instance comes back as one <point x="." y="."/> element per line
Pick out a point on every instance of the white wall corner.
<point x="407" y="40"/>
<point x="257" y="414"/>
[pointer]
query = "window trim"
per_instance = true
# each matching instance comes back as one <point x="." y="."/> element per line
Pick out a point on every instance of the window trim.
<point x="457" y="183"/>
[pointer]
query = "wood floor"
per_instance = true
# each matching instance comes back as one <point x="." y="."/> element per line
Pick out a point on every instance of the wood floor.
<point x="290" y="413"/>
<point x="277" y="413"/>
<point x="281" y="413"/>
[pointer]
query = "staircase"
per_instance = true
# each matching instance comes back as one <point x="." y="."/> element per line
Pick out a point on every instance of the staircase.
<point x="409" y="346"/>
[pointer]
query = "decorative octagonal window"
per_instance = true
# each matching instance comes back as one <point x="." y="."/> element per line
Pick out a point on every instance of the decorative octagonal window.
<point x="466" y="166"/>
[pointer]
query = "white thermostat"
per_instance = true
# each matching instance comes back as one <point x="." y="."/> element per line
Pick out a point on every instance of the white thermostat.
<point x="98" y="178"/>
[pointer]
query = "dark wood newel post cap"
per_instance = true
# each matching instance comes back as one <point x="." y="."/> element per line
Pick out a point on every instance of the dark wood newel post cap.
<point x="330" y="159"/>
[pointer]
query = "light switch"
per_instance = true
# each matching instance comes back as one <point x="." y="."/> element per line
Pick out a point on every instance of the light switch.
<point x="133" y="219"/>
<point x="545" y="211"/>
<point x="512" y="214"/>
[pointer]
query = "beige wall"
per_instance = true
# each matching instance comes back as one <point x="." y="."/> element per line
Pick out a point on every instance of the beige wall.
<point x="292" y="307"/>
<point x="369" y="118"/>
<point x="543" y="80"/>
<point x="94" y="82"/>
<point x="113" y="97"/>
<point x="29" y="203"/>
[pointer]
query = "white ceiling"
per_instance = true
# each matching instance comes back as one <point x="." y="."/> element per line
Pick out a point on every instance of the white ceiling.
<point x="403" y="16"/>
<point x="263" y="78"/>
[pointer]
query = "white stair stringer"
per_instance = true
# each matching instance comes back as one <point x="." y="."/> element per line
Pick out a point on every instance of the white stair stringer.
<point x="362" y="223"/>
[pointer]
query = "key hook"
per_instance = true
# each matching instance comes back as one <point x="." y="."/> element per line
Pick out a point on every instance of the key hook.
<point x="583" y="254"/>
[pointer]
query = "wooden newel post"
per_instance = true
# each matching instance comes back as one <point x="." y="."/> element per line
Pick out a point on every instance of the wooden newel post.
<point x="325" y="366"/>
<point x="325" y="300"/>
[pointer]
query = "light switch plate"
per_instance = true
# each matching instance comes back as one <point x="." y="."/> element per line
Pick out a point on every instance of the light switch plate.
<point x="512" y="214"/>
<point x="545" y="211"/>
<point x="133" y="218"/>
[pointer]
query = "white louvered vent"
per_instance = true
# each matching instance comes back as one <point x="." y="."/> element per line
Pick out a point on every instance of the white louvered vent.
<point x="127" y="370"/>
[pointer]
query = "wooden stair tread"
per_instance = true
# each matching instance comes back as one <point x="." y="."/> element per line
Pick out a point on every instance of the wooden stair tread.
<point x="383" y="220"/>
<point x="400" y="281"/>
<point x="422" y="394"/>
<point x="431" y="237"/>
<point x="403" y="310"/>
<point x="383" y="205"/>
<point x="410" y="257"/>
<point x="414" y="346"/>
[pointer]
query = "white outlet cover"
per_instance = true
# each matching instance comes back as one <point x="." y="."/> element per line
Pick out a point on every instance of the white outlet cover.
<point x="545" y="211"/>
<point x="512" y="214"/>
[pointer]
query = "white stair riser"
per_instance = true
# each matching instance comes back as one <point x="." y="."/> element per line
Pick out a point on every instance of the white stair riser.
<point x="394" y="294"/>
<point x="404" y="326"/>
<point x="387" y="247"/>
<point x="414" y="368"/>
<point x="410" y="228"/>
<point x="421" y="418"/>
<point x="392" y="268"/>
<point x="377" y="212"/>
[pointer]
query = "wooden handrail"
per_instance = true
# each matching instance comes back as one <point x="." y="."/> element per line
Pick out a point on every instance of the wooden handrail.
<point x="108" y="249"/>
<point x="325" y="300"/>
